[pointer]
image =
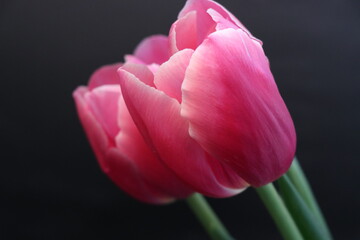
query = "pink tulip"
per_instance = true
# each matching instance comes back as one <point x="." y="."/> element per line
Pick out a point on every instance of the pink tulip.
<point x="119" y="147"/>
<point x="205" y="101"/>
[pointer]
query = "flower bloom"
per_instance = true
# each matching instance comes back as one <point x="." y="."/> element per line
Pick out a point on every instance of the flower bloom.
<point x="205" y="101"/>
<point x="119" y="147"/>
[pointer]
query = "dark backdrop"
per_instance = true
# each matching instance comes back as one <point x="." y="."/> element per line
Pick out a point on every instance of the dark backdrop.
<point x="50" y="184"/>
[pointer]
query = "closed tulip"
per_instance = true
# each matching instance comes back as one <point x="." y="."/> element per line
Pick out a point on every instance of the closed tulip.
<point x="119" y="147"/>
<point x="208" y="106"/>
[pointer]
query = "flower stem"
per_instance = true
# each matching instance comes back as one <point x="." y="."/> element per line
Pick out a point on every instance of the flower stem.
<point x="279" y="212"/>
<point x="299" y="180"/>
<point x="305" y="219"/>
<point x="213" y="226"/>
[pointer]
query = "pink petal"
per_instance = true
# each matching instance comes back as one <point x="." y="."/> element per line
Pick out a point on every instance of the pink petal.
<point x="132" y="59"/>
<point x="131" y="144"/>
<point x="141" y="71"/>
<point x="221" y="22"/>
<point x="153" y="49"/>
<point x="157" y="116"/>
<point x="183" y="33"/>
<point x="234" y="108"/>
<point x="202" y="7"/>
<point x="204" y="24"/>
<point x="170" y="75"/>
<point x="97" y="137"/>
<point x="125" y="173"/>
<point x="104" y="75"/>
<point x="103" y="103"/>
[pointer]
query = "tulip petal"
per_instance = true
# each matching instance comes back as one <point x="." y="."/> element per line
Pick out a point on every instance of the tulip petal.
<point x="157" y="116"/>
<point x="97" y="137"/>
<point x="221" y="22"/>
<point x="170" y="74"/>
<point x="103" y="103"/>
<point x="234" y="108"/>
<point x="131" y="144"/>
<point x="183" y="33"/>
<point x="141" y="71"/>
<point x="124" y="173"/>
<point x="201" y="6"/>
<point x="105" y="75"/>
<point x="203" y="18"/>
<point x="153" y="49"/>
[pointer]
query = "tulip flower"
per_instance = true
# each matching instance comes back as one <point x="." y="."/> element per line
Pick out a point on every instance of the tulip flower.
<point x="209" y="106"/>
<point x="119" y="147"/>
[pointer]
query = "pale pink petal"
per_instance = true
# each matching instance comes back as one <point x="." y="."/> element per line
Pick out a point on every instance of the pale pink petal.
<point x="157" y="116"/>
<point x="104" y="75"/>
<point x="153" y="49"/>
<point x="234" y="108"/>
<point x="183" y="33"/>
<point x="131" y="144"/>
<point x="141" y="71"/>
<point x="153" y="67"/>
<point x="204" y="24"/>
<point x="170" y="75"/>
<point x="221" y="22"/>
<point x="97" y="137"/>
<point x="125" y="173"/>
<point x="103" y="103"/>
<point x="132" y="59"/>
<point x="202" y="6"/>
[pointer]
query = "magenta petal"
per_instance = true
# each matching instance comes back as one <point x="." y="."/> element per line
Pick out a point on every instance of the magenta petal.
<point x="170" y="74"/>
<point x="97" y="137"/>
<point x="131" y="144"/>
<point x="104" y="75"/>
<point x="153" y="49"/>
<point x="157" y="116"/>
<point x="234" y="108"/>
<point x="125" y="173"/>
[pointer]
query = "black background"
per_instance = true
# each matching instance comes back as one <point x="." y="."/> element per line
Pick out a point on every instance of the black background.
<point x="50" y="184"/>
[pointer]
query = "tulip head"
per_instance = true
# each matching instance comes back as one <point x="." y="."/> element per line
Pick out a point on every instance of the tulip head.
<point x="198" y="110"/>
<point x="213" y="111"/>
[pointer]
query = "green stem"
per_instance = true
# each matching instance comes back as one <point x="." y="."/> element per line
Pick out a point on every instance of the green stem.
<point x="208" y="218"/>
<point x="303" y="216"/>
<point x="279" y="212"/>
<point x="298" y="178"/>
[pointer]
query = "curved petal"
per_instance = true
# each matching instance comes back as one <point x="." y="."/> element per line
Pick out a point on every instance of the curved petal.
<point x="132" y="59"/>
<point x="131" y="144"/>
<point x="125" y="173"/>
<point x="183" y="33"/>
<point x="96" y="135"/>
<point x="141" y="71"/>
<point x="157" y="116"/>
<point x="153" y="49"/>
<point x="202" y="7"/>
<point x="103" y="103"/>
<point x="221" y="22"/>
<point x="105" y="75"/>
<point x="234" y="108"/>
<point x="204" y="24"/>
<point x="170" y="74"/>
